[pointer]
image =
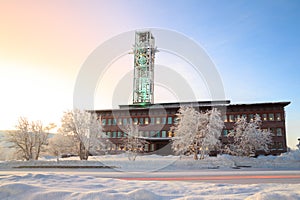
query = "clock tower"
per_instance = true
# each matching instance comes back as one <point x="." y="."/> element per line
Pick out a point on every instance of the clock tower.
<point x="144" y="54"/>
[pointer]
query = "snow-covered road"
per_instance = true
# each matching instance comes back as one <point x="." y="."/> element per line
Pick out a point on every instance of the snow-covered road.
<point x="89" y="184"/>
<point x="237" y="176"/>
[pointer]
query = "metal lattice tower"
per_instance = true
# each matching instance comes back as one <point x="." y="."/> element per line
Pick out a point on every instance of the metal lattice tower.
<point x="144" y="54"/>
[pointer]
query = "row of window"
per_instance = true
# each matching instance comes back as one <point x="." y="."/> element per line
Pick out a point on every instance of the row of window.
<point x="151" y="147"/>
<point x="120" y="147"/>
<point x="119" y="134"/>
<point x="275" y="131"/>
<point x="250" y="117"/>
<point x="153" y="112"/>
<point x="277" y="145"/>
<point x="170" y="120"/>
<point x="140" y="121"/>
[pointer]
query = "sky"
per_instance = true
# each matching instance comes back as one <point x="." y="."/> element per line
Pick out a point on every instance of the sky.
<point x="254" y="45"/>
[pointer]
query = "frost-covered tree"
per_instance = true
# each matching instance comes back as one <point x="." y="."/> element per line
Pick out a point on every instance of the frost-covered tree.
<point x="186" y="131"/>
<point x="133" y="142"/>
<point x="248" y="138"/>
<point x="61" y="144"/>
<point x="86" y="129"/>
<point x="29" y="138"/>
<point x="212" y="128"/>
<point x="196" y="131"/>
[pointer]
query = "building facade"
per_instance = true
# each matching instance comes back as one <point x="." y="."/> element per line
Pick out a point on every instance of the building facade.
<point x="155" y="122"/>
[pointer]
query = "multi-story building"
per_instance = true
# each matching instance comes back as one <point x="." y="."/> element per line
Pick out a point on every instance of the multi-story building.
<point x="155" y="122"/>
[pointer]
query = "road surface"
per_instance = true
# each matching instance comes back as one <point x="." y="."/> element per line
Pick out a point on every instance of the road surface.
<point x="237" y="176"/>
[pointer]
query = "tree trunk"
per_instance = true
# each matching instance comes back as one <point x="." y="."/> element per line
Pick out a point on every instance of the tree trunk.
<point x="83" y="153"/>
<point x="37" y="153"/>
<point x="195" y="155"/>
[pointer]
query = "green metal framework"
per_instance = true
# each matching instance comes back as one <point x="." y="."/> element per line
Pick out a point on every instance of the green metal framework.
<point x="144" y="54"/>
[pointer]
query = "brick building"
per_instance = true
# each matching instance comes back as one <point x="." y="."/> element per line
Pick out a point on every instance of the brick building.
<point x="155" y="121"/>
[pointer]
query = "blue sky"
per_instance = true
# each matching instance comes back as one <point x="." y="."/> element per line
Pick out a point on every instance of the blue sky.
<point x="255" y="46"/>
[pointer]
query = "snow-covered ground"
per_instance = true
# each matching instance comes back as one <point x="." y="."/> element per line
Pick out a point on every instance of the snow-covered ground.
<point x="46" y="184"/>
<point x="290" y="160"/>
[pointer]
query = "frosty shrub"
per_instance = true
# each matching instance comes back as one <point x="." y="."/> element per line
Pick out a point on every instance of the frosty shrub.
<point x="61" y="144"/>
<point x="133" y="142"/>
<point x="248" y="138"/>
<point x="197" y="132"/>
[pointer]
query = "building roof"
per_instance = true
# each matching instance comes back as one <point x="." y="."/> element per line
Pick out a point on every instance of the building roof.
<point x="221" y="103"/>
<point x="178" y="104"/>
<point x="282" y="103"/>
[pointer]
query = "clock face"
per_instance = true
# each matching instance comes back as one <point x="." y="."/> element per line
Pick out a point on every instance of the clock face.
<point x="142" y="59"/>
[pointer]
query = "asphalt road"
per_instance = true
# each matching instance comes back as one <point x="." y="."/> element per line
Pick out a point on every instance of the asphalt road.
<point x="233" y="176"/>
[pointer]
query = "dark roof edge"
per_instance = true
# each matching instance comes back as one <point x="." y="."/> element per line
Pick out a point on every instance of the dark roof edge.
<point x="187" y="103"/>
<point x="284" y="103"/>
<point x="192" y="103"/>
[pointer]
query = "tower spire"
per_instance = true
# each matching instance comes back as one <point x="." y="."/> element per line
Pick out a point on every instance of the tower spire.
<point x="144" y="55"/>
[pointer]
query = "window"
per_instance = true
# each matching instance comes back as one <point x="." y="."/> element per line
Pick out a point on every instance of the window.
<point x="152" y="147"/>
<point x="109" y="122"/>
<point x="169" y="120"/>
<point x="124" y="121"/>
<point x="157" y="134"/>
<point x="244" y="115"/>
<point x="237" y="117"/>
<point x="108" y="134"/>
<point x="135" y="121"/>
<point x="152" y="133"/>
<point x="103" y="122"/>
<point x="272" y="130"/>
<point x="152" y="120"/>
<point x="119" y="134"/>
<point x="130" y="120"/>
<point x="119" y="121"/>
<point x="278" y="116"/>
<point x="114" y="134"/>
<point x="273" y="146"/>
<point x="225" y="132"/>
<point x="176" y="119"/>
<point x="157" y="120"/>
<point x="264" y="117"/>
<point x="251" y="116"/>
<point x="146" y="147"/>
<point x="279" y="132"/>
<point x="271" y="117"/>
<point x="114" y="121"/>
<point x="231" y="118"/>
<point x="119" y="147"/>
<point x="225" y="118"/>
<point x="141" y="120"/>
<point x="146" y="120"/>
<point x="280" y="145"/>
<point x="164" y="134"/>
<point x="146" y="133"/>
<point x="163" y="120"/>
